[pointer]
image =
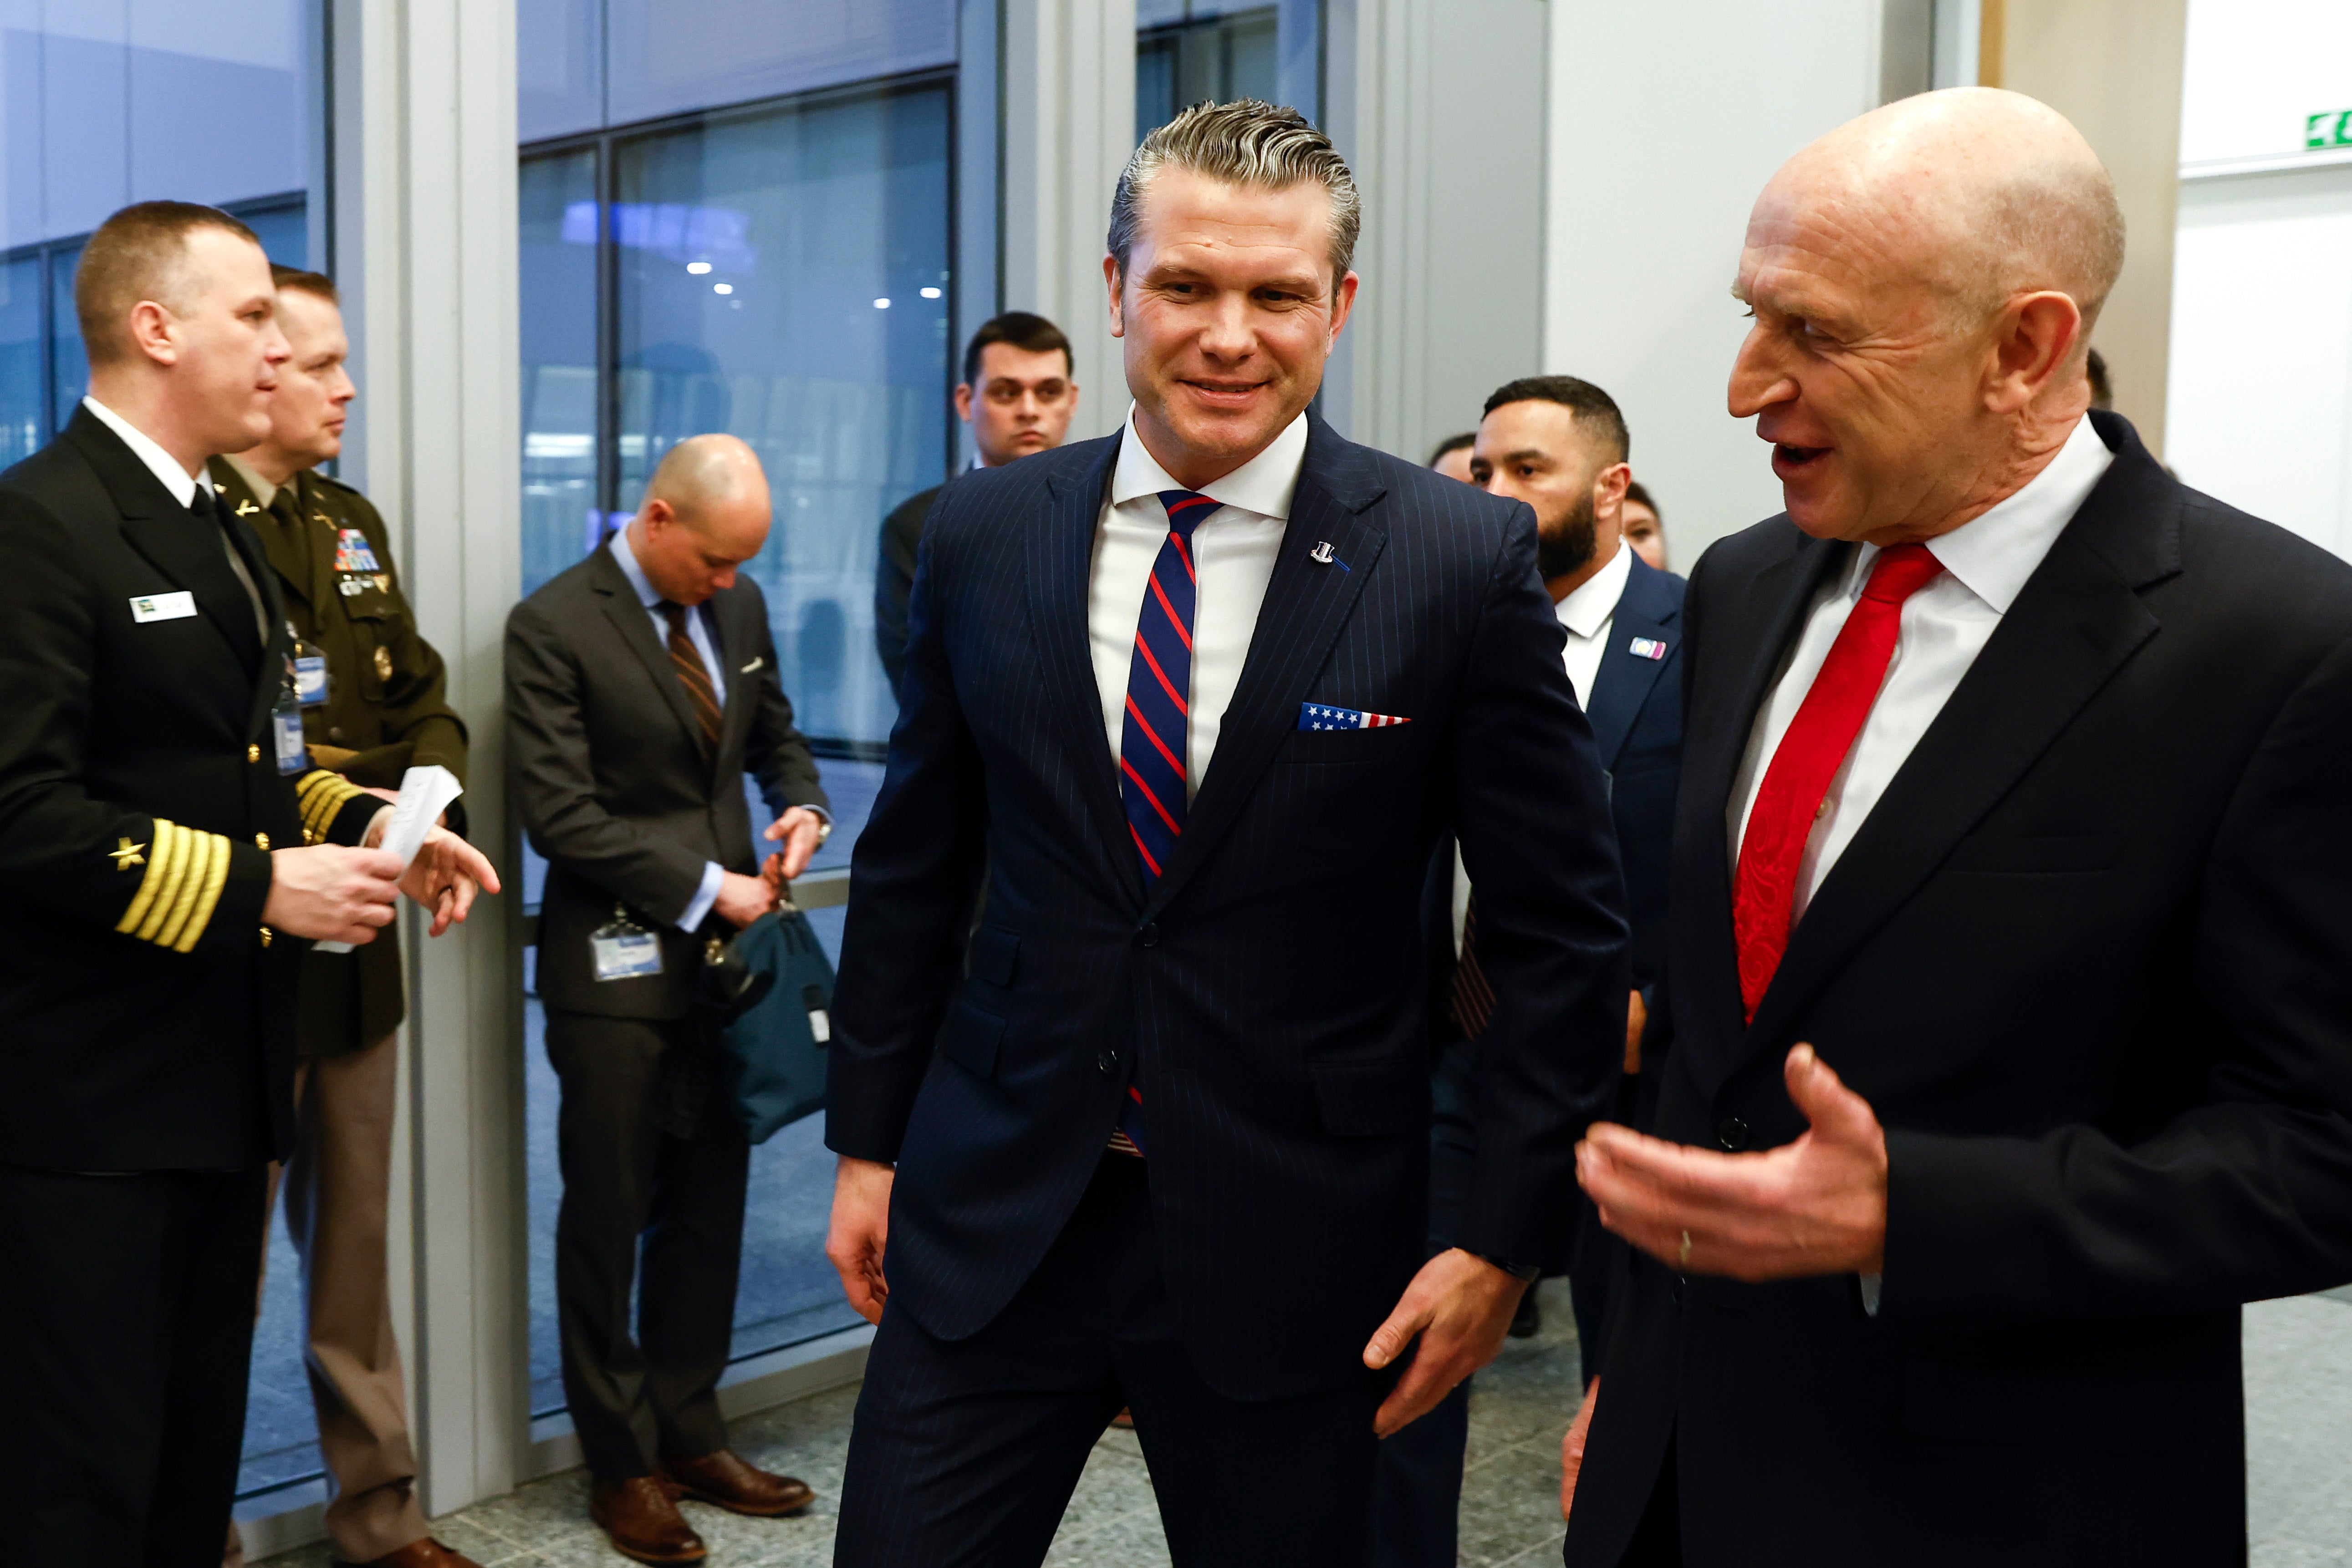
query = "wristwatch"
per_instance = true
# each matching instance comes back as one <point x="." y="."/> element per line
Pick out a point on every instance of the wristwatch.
<point x="1529" y="1272"/>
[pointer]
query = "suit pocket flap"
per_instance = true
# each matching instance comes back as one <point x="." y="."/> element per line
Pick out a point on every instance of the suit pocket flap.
<point x="1373" y="1099"/>
<point x="2006" y="853"/>
<point x="972" y="1039"/>
<point x="994" y="951"/>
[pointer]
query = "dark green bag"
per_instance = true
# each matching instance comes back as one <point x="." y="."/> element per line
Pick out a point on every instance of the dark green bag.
<point x="774" y="1048"/>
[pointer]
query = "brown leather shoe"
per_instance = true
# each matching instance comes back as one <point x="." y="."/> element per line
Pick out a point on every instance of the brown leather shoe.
<point x="740" y="1487"/>
<point x="641" y="1520"/>
<point x="426" y="1553"/>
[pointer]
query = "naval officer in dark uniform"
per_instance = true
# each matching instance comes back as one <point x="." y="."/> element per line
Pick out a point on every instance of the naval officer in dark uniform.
<point x="374" y="704"/>
<point x="167" y="853"/>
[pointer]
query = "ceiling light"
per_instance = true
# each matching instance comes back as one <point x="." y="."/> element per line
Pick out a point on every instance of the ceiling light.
<point x="881" y="304"/>
<point x="930" y="293"/>
<point x="723" y="288"/>
<point x="698" y="267"/>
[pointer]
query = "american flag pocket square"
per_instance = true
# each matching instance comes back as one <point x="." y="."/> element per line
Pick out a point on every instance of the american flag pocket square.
<point x="1321" y="716"/>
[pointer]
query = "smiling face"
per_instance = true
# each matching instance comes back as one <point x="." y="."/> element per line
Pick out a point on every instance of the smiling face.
<point x="1228" y="311"/>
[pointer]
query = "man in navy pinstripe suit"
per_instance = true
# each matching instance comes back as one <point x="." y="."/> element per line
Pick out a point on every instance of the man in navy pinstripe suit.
<point x="1201" y="698"/>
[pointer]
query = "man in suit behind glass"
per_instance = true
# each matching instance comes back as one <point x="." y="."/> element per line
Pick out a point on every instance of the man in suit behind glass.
<point x="167" y="855"/>
<point x="1203" y="696"/>
<point x="1560" y="445"/>
<point x="641" y="686"/>
<point x="2015" y="795"/>
<point x="1018" y="395"/>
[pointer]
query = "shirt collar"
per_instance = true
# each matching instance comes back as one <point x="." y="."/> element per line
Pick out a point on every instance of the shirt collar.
<point x="263" y="490"/>
<point x="1590" y="604"/>
<point x="182" y="484"/>
<point x="1263" y="484"/>
<point x="1991" y="556"/>
<point x="627" y="561"/>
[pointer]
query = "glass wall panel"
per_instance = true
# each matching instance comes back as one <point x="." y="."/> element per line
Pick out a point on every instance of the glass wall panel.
<point x="68" y="362"/>
<point x="670" y="57"/>
<point x="246" y="53"/>
<point x="782" y="275"/>
<point x="1196" y="51"/>
<point x="781" y="272"/>
<point x="559" y="68"/>
<point x="560" y="510"/>
<point x="22" y="426"/>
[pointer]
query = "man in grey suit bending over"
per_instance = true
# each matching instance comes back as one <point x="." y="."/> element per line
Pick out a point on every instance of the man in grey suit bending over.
<point x="641" y="686"/>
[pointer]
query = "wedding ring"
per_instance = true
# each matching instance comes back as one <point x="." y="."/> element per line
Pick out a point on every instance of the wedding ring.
<point x="1683" y="1262"/>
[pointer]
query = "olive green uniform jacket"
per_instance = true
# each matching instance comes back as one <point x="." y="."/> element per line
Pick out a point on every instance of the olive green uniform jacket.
<point x="386" y="708"/>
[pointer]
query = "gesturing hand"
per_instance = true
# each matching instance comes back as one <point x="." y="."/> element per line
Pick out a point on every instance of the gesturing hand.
<point x="1461" y="1306"/>
<point x="799" y="830"/>
<point x="860" y="1228"/>
<point x="446" y="875"/>
<point x="1815" y="1207"/>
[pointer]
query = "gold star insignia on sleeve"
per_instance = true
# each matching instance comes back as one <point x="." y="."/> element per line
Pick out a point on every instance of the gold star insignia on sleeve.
<point x="127" y="855"/>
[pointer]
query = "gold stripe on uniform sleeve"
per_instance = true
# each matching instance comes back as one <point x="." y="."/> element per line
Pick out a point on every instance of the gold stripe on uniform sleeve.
<point x="159" y="864"/>
<point x="321" y="796"/>
<point x="207" y="866"/>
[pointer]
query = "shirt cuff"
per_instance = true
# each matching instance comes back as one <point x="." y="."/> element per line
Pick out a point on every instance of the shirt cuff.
<point x="1870" y="1290"/>
<point x="714" y="876"/>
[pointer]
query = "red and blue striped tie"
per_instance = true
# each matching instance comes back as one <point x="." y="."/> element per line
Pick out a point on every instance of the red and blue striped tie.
<point x="1151" y="747"/>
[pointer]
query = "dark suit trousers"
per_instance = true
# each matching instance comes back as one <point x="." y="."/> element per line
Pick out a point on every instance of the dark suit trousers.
<point x="648" y="1153"/>
<point x="126" y="1333"/>
<point x="964" y="1454"/>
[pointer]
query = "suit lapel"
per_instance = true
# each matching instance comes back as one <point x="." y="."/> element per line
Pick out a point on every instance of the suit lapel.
<point x="1763" y="620"/>
<point x="1307" y="602"/>
<point x="1061" y="550"/>
<point x="1622" y="682"/>
<point x="2079" y="620"/>
<point x="732" y="633"/>
<point x="280" y="648"/>
<point x="175" y="541"/>
<point x="243" y="504"/>
<point x="636" y="624"/>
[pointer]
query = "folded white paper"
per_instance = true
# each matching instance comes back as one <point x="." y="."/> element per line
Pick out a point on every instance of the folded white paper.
<point x="424" y="794"/>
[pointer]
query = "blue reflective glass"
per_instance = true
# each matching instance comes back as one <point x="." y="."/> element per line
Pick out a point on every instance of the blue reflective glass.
<point x="561" y="521"/>
<point x="284" y="230"/>
<point x="772" y="272"/>
<point x="21" y="423"/>
<point x="1198" y="55"/>
<point x="68" y="363"/>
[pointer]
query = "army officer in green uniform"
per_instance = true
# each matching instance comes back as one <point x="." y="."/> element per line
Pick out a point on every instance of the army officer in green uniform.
<point x="372" y="706"/>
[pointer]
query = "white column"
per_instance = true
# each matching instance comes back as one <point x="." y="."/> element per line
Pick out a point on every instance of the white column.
<point x="1659" y="147"/>
<point x="426" y="245"/>
<point x="1438" y="107"/>
<point x="1069" y="125"/>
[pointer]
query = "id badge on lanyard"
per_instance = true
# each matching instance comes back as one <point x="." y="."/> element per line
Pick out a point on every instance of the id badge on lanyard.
<point x="624" y="950"/>
<point x="285" y="728"/>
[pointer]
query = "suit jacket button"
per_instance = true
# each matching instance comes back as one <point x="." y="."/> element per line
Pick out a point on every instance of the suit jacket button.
<point x="261" y="840"/>
<point x="1106" y="1060"/>
<point x="1732" y="1133"/>
<point x="253" y="753"/>
<point x="1149" y="935"/>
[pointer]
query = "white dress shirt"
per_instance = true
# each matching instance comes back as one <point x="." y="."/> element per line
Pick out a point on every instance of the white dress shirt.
<point x="1944" y="626"/>
<point x="185" y="486"/>
<point x="1233" y="549"/>
<point x="1586" y="614"/>
<point x="697" y="631"/>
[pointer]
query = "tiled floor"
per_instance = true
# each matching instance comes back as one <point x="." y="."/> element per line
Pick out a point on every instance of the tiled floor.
<point x="1511" y="1502"/>
<point x="2298" y="1430"/>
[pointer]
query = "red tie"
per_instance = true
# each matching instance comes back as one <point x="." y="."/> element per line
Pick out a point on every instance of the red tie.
<point x="1764" y="892"/>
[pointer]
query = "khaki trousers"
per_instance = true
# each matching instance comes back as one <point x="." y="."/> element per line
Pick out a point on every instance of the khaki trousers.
<point x="338" y="1186"/>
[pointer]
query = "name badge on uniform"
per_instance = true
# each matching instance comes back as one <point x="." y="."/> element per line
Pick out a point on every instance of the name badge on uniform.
<point x="146" y="607"/>
<point x="624" y="950"/>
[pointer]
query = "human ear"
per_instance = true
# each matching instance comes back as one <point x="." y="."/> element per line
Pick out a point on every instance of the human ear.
<point x="2034" y="339"/>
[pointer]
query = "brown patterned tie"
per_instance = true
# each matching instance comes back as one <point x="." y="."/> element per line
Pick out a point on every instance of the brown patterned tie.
<point x="1473" y="999"/>
<point x="692" y="673"/>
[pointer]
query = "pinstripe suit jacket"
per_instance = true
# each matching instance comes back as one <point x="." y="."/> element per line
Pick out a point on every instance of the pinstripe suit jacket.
<point x="1265" y="994"/>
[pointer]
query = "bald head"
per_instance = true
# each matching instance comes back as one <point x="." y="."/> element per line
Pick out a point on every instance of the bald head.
<point x="1923" y="281"/>
<point x="706" y="512"/>
<point x="1984" y="194"/>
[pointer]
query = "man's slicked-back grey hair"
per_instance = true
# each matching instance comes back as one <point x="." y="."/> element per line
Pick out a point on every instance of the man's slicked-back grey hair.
<point x="1245" y="143"/>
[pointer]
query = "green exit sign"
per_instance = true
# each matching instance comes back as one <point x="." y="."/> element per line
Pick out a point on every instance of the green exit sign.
<point x="2331" y="129"/>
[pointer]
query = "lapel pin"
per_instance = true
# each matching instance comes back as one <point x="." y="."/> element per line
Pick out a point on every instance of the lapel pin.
<point x="1646" y="647"/>
<point x="1321" y="555"/>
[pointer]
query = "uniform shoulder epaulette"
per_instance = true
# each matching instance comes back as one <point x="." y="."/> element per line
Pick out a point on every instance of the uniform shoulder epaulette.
<point x="332" y="483"/>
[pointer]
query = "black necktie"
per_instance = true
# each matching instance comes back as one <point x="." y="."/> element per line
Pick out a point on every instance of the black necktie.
<point x="245" y="631"/>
